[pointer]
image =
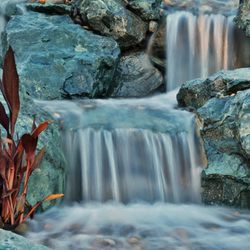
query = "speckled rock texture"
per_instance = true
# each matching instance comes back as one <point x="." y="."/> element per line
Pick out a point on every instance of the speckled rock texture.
<point x="111" y="18"/>
<point x="222" y="103"/>
<point x="136" y="77"/>
<point x="11" y="241"/>
<point x="56" y="58"/>
<point x="146" y="9"/>
<point x="243" y="17"/>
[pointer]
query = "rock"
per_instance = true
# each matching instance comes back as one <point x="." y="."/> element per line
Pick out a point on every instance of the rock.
<point x="56" y="58"/>
<point x="50" y="8"/>
<point x="157" y="47"/>
<point x="196" y="93"/>
<point x="243" y="17"/>
<point x="146" y="9"/>
<point x="22" y="229"/>
<point x="225" y="190"/>
<point x="111" y="18"/>
<point x="9" y="8"/>
<point x="222" y="103"/>
<point x="136" y="77"/>
<point x="226" y="140"/>
<point x="101" y="243"/>
<point x="134" y="240"/>
<point x="153" y="26"/>
<point x="9" y="240"/>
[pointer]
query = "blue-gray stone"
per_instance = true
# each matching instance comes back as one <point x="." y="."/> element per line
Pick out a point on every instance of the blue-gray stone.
<point x="11" y="241"/>
<point x="222" y="103"/>
<point x="56" y="58"/>
<point x="111" y="18"/>
<point x="243" y="17"/>
<point x="146" y="9"/>
<point x="136" y="76"/>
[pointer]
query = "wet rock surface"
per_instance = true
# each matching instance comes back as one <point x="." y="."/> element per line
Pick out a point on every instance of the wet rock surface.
<point x="111" y="18"/>
<point x="13" y="241"/>
<point x="56" y="58"/>
<point x="136" y="77"/>
<point x="243" y="18"/>
<point x="197" y="92"/>
<point x="147" y="10"/>
<point x="222" y="103"/>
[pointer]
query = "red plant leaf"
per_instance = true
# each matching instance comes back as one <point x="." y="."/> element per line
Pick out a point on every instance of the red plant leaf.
<point x="4" y="119"/>
<point x="41" y="127"/>
<point x="48" y="198"/>
<point x="29" y="144"/>
<point x="10" y="87"/>
<point x="53" y="197"/>
<point x="3" y="167"/>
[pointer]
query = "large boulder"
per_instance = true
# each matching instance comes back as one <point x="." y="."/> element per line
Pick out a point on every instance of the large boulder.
<point x="9" y="240"/>
<point x="222" y="103"/>
<point x="56" y="58"/>
<point x="136" y="77"/>
<point x="243" y="17"/>
<point x="197" y="92"/>
<point x="111" y="18"/>
<point x="146" y="9"/>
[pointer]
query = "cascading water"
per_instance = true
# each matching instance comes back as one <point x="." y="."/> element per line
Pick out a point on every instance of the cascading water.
<point x="131" y="165"/>
<point x="135" y="151"/>
<point x="148" y="151"/>
<point x="203" y="41"/>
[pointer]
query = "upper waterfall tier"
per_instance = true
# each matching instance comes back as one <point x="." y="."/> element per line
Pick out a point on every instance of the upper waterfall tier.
<point x="201" y="44"/>
<point x="215" y="6"/>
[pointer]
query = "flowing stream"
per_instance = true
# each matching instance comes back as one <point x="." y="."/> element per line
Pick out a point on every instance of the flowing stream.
<point x="134" y="164"/>
<point x="203" y="42"/>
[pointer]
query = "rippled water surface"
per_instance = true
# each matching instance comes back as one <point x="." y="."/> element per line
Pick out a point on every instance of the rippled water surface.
<point x="142" y="226"/>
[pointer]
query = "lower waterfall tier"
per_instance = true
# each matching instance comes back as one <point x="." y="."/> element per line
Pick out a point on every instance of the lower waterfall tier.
<point x="130" y="150"/>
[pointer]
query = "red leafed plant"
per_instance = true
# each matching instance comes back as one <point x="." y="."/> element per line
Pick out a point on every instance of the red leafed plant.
<point x="18" y="158"/>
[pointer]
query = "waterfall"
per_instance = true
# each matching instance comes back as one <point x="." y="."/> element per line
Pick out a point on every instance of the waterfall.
<point x="130" y="150"/>
<point x="129" y="165"/>
<point x="200" y="43"/>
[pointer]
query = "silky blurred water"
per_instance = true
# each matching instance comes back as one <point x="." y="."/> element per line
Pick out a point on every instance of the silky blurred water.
<point x="201" y="41"/>
<point x="142" y="226"/>
<point x="130" y="150"/>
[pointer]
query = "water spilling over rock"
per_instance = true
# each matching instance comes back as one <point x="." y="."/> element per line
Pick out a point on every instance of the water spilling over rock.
<point x="131" y="164"/>
<point x="201" y="41"/>
<point x="133" y="150"/>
